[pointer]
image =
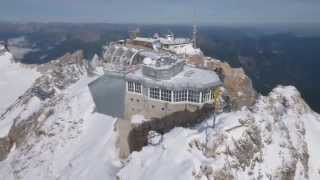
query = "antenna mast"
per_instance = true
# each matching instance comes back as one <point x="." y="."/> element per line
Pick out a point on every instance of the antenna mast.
<point x="195" y="30"/>
<point x="194" y="38"/>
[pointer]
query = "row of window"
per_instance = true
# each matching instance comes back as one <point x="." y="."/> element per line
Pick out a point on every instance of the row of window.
<point x="181" y="96"/>
<point x="134" y="87"/>
<point x="174" y="96"/>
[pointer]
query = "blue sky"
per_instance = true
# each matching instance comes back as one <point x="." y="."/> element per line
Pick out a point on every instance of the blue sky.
<point x="162" y="11"/>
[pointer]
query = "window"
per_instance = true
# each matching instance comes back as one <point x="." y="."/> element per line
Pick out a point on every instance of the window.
<point x="166" y="95"/>
<point x="137" y="88"/>
<point x="180" y="96"/>
<point x="130" y="86"/>
<point x="134" y="87"/>
<point x="194" y="96"/>
<point x="206" y="96"/>
<point x="212" y="94"/>
<point x="154" y="93"/>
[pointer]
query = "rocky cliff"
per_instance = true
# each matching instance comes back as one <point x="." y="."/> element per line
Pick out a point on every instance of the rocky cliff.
<point x="54" y="133"/>
<point x="56" y="76"/>
<point x="236" y="82"/>
<point x="274" y="139"/>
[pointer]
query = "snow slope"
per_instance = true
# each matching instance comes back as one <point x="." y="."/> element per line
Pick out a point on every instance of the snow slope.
<point x="72" y="143"/>
<point x="14" y="81"/>
<point x="278" y="138"/>
<point x="60" y="136"/>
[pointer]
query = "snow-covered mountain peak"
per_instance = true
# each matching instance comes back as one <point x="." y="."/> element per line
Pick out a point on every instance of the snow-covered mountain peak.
<point x="276" y="138"/>
<point x="51" y="131"/>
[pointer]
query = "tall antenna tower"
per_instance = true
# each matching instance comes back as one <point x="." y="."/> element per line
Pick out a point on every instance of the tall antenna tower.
<point x="195" y="30"/>
<point x="194" y="35"/>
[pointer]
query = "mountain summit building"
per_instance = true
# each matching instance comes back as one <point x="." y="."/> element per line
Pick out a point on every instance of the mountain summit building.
<point x="165" y="85"/>
<point x="140" y="79"/>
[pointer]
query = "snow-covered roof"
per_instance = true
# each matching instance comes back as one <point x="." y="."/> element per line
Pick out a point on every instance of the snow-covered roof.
<point x="175" y="41"/>
<point x="151" y="54"/>
<point x="190" y="77"/>
<point x="144" y="39"/>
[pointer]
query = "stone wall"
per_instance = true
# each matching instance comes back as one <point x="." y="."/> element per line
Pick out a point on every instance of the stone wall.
<point x="138" y="136"/>
<point x="139" y="104"/>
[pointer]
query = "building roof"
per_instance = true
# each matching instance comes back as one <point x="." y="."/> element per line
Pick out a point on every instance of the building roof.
<point x="189" y="78"/>
<point x="167" y="41"/>
<point x="144" y="39"/>
<point x="175" y="41"/>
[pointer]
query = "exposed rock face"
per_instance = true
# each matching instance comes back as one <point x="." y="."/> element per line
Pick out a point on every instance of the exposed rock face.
<point x="277" y="138"/>
<point x="262" y="138"/>
<point x="3" y="48"/>
<point x="5" y="146"/>
<point x="56" y="76"/>
<point x="64" y="71"/>
<point x="236" y="82"/>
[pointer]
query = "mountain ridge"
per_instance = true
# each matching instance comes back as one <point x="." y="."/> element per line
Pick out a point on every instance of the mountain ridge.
<point x="59" y="136"/>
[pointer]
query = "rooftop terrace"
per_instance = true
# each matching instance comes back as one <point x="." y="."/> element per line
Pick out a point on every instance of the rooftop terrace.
<point x="188" y="78"/>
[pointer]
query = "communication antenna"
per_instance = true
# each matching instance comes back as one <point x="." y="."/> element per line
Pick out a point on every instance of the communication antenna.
<point x="195" y="30"/>
<point x="194" y="36"/>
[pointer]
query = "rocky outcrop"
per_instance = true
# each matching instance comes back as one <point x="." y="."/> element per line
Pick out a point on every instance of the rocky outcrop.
<point x="5" y="146"/>
<point x="262" y="135"/>
<point x="236" y="82"/>
<point x="3" y="48"/>
<point x="56" y="76"/>
<point x="276" y="138"/>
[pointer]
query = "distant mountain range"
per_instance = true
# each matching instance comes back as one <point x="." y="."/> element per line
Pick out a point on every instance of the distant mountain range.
<point x="270" y="54"/>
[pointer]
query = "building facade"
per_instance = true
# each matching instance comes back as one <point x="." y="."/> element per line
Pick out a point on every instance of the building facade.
<point x="161" y="87"/>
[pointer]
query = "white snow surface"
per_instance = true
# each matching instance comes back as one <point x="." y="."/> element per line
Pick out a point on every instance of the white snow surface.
<point x="283" y="124"/>
<point x="187" y="49"/>
<point x="75" y="142"/>
<point x="14" y="81"/>
<point x="275" y="139"/>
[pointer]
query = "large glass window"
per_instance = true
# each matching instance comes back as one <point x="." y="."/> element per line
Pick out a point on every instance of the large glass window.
<point x="206" y="96"/>
<point x="154" y="93"/>
<point x="180" y="96"/>
<point x="166" y="95"/>
<point x="194" y="96"/>
<point x="130" y="86"/>
<point x="137" y="88"/>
